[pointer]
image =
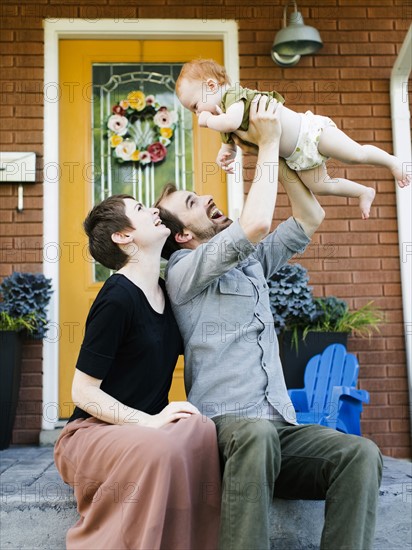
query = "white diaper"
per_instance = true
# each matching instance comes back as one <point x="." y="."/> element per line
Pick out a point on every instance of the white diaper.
<point x="306" y="154"/>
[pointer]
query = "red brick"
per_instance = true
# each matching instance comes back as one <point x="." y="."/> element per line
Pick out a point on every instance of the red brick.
<point x="376" y="276"/>
<point x="367" y="48"/>
<point x="7" y="61"/>
<point x="334" y="61"/>
<point x="365" y="122"/>
<point x="32" y="380"/>
<point x="30" y="394"/>
<point x="388" y="12"/>
<point x="379" y="398"/>
<point x="386" y="199"/>
<point x="389" y="37"/>
<point x="5" y="216"/>
<point x="382" y="61"/>
<point x="350" y="264"/>
<point x="23" y="48"/>
<point x="30" y="35"/>
<point x="30" y="61"/>
<point x="32" y="350"/>
<point x="22" y="229"/>
<point x="32" y="366"/>
<point x="354" y="290"/>
<point x="395" y="343"/>
<point x="379" y="251"/>
<point x="399" y="425"/>
<point x="380" y="110"/>
<point x="370" y="372"/>
<point x="20" y="22"/>
<point x="392" y="290"/>
<point x="385" y="358"/>
<point x="392" y="440"/>
<point x="6" y="112"/>
<point x="30" y="73"/>
<point x="28" y="216"/>
<point x="399" y="398"/>
<point x="6" y="137"/>
<point x="6" y="35"/>
<point x="32" y="267"/>
<point x="373" y="426"/>
<point x="390" y="263"/>
<point x="334" y="225"/>
<point x="393" y="315"/>
<point x="396" y="371"/>
<point x="5" y="270"/>
<point x="349" y="238"/>
<point x="372" y="225"/>
<point x="370" y="412"/>
<point x="380" y="86"/>
<point x="323" y="277"/>
<point x="29" y="137"/>
<point x="27" y="422"/>
<point x="27" y="124"/>
<point x="365" y="24"/>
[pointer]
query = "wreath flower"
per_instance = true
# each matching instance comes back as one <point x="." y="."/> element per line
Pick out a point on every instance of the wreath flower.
<point x="140" y="129"/>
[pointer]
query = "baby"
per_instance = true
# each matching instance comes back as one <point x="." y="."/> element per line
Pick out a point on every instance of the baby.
<point x="307" y="140"/>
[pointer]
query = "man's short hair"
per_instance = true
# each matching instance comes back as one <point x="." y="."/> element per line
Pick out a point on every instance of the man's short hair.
<point x="102" y="221"/>
<point x="171" y="221"/>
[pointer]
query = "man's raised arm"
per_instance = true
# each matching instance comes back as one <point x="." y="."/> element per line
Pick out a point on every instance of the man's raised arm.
<point x="265" y="130"/>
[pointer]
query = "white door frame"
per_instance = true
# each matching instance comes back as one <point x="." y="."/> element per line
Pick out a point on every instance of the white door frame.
<point x="126" y="29"/>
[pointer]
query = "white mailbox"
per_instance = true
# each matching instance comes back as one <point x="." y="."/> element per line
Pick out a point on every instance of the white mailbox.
<point x="17" y="167"/>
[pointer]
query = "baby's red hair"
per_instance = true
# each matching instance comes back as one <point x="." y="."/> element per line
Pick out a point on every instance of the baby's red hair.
<point x="202" y="69"/>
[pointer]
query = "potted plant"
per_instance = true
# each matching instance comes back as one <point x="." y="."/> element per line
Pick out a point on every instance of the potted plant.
<point x="306" y="325"/>
<point x="25" y="297"/>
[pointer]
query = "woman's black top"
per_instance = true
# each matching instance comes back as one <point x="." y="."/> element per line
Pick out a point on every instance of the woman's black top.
<point x="130" y="347"/>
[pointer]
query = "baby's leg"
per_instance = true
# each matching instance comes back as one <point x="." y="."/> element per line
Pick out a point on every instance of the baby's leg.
<point x="336" y="144"/>
<point x="320" y="183"/>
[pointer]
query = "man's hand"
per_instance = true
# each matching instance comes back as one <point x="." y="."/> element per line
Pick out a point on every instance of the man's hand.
<point x="264" y="122"/>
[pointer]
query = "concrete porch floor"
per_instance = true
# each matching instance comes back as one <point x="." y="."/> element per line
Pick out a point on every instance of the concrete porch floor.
<point x="38" y="508"/>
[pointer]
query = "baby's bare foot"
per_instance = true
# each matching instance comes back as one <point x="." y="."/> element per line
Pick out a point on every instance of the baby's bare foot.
<point x="399" y="171"/>
<point x="365" y="202"/>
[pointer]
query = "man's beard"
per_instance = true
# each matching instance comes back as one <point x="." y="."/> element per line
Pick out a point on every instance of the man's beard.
<point x="204" y="235"/>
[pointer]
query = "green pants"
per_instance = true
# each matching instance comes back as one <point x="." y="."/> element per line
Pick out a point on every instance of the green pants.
<point x="263" y="459"/>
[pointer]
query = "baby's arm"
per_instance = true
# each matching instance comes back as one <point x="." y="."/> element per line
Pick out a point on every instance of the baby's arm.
<point x="223" y="122"/>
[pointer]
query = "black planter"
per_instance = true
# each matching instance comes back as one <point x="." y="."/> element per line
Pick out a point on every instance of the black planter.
<point x="10" y="369"/>
<point x="294" y="362"/>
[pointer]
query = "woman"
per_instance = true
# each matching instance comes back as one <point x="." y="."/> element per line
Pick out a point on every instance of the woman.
<point x="145" y="473"/>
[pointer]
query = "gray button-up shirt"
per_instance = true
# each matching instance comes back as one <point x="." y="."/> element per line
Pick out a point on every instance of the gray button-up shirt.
<point x="220" y="299"/>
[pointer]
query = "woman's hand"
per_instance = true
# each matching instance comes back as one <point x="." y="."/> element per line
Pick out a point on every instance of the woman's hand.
<point x="172" y="412"/>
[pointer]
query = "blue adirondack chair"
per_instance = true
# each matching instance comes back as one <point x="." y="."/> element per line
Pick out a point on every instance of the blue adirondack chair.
<point x="330" y="397"/>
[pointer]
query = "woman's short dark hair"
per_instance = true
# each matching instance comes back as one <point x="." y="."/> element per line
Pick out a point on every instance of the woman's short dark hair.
<point x="171" y="221"/>
<point x="102" y="221"/>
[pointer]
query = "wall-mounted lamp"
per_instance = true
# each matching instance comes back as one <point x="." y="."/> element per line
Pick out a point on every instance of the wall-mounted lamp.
<point x="295" y="39"/>
<point x="18" y="168"/>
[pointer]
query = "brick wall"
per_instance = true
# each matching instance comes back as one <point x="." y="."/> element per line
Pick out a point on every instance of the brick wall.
<point x="347" y="80"/>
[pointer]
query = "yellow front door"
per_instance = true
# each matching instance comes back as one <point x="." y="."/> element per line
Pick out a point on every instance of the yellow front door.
<point x="79" y="283"/>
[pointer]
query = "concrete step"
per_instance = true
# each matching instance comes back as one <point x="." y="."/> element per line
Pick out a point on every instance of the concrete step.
<point x="38" y="508"/>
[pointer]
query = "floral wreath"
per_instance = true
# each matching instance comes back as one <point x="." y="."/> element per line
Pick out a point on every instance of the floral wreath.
<point x="140" y="129"/>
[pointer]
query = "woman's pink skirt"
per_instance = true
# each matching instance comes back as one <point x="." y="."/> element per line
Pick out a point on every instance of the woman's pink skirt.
<point x="142" y="488"/>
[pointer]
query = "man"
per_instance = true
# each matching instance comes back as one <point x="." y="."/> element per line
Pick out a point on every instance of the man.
<point x="216" y="280"/>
